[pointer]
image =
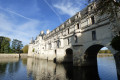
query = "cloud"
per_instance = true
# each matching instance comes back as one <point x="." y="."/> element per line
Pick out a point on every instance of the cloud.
<point x="7" y="10"/>
<point x="53" y="10"/>
<point x="23" y="31"/>
<point x="19" y="19"/>
<point x="68" y="7"/>
<point x="24" y="7"/>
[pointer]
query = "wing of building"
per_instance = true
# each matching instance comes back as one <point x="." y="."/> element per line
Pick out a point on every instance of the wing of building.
<point x="69" y="41"/>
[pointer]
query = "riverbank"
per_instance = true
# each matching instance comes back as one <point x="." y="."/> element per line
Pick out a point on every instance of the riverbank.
<point x="13" y="55"/>
<point x="104" y="55"/>
<point x="25" y="55"/>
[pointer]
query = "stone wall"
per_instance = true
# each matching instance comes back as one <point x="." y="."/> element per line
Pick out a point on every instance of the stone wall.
<point x="12" y="55"/>
<point x="23" y="55"/>
<point x="9" y="55"/>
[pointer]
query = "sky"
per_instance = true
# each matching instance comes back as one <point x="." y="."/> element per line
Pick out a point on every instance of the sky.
<point x="24" y="19"/>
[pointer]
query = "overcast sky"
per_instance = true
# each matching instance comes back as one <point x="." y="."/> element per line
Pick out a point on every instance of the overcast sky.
<point x="24" y="19"/>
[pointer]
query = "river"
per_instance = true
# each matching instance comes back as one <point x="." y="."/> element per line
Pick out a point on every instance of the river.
<point x="34" y="69"/>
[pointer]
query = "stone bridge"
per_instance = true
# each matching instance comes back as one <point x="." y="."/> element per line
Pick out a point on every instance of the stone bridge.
<point x="78" y="39"/>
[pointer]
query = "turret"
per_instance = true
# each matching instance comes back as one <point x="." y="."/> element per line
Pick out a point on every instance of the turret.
<point x="32" y="41"/>
<point x="41" y="33"/>
<point x="48" y="31"/>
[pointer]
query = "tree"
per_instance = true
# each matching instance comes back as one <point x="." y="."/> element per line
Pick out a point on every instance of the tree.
<point x="25" y="49"/>
<point x="104" y="51"/>
<point x="115" y="43"/>
<point x="107" y="6"/>
<point x="111" y="8"/>
<point x="4" y="44"/>
<point x="16" y="46"/>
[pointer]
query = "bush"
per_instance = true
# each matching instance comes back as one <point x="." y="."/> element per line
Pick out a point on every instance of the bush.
<point x="115" y="43"/>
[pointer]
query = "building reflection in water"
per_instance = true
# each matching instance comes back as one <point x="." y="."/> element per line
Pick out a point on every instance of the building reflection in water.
<point x="35" y="69"/>
<point x="86" y="73"/>
<point x="43" y="70"/>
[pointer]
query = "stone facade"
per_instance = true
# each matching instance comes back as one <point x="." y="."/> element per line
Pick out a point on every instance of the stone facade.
<point x="87" y="31"/>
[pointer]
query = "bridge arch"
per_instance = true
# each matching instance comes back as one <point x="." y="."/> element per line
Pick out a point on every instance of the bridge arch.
<point x="90" y="55"/>
<point x="68" y="55"/>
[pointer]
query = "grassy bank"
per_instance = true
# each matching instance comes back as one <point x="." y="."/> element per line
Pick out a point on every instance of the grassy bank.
<point x="104" y="55"/>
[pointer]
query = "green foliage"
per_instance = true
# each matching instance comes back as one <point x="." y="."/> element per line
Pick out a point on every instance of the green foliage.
<point x="115" y="43"/>
<point x="25" y="49"/>
<point x="106" y="6"/>
<point x="104" y="51"/>
<point x="33" y="50"/>
<point x="4" y="44"/>
<point x="17" y="46"/>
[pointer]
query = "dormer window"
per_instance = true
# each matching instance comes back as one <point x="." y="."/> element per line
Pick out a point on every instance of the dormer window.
<point x="68" y="31"/>
<point x="92" y="20"/>
<point x="77" y="16"/>
<point x="78" y="26"/>
<point x="91" y="7"/>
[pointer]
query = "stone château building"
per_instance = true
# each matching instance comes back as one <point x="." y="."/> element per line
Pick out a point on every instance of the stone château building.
<point x="83" y="34"/>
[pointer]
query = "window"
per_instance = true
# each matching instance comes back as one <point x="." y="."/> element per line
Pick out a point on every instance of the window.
<point x="93" y="35"/>
<point x="92" y="20"/>
<point x="55" y="51"/>
<point x="76" y="40"/>
<point x="50" y="46"/>
<point x="58" y="43"/>
<point x="68" y="30"/>
<point x="77" y="26"/>
<point x="116" y="14"/>
<point x="68" y="41"/>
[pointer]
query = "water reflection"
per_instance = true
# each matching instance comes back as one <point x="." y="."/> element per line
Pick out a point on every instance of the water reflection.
<point x="8" y="67"/>
<point x="86" y="73"/>
<point x="43" y="70"/>
<point x="35" y="69"/>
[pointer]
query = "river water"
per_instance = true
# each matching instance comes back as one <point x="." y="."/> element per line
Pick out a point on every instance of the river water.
<point x="34" y="69"/>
